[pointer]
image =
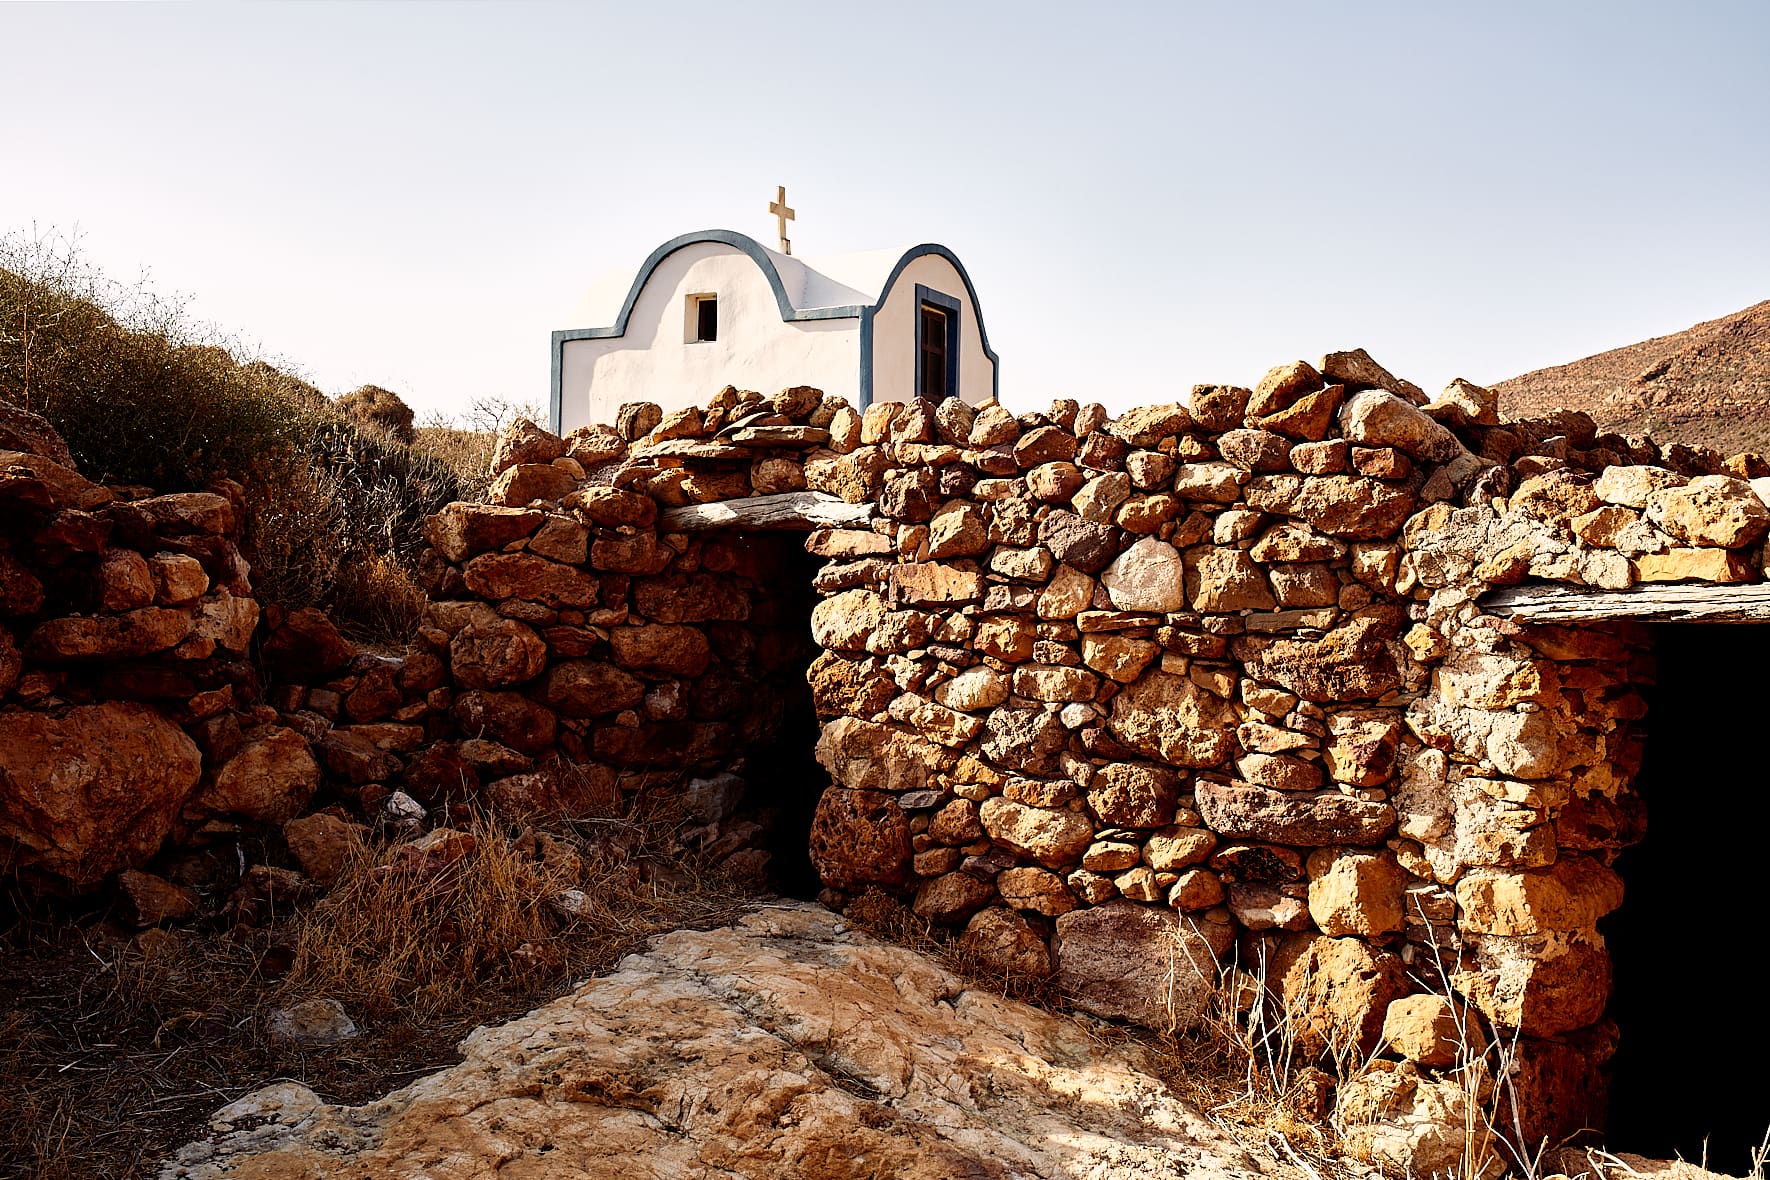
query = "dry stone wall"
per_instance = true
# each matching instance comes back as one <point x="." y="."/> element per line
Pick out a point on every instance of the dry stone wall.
<point x="1135" y="700"/>
<point x="125" y="619"/>
<point x="1142" y="703"/>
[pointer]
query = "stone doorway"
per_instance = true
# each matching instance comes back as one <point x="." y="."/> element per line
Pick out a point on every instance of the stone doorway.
<point x="1687" y="997"/>
<point x="780" y="727"/>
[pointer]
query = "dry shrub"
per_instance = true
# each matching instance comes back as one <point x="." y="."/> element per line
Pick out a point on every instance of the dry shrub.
<point x="386" y="942"/>
<point x="376" y="599"/>
<point x="107" y="1053"/>
<point x="143" y="395"/>
<point x="381" y="409"/>
<point x="467" y="453"/>
<point x="115" y="1050"/>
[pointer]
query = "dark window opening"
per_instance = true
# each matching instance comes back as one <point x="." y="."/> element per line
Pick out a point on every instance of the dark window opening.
<point x="1686" y="997"/>
<point x="931" y="365"/>
<point x="937" y="344"/>
<point x="706" y="311"/>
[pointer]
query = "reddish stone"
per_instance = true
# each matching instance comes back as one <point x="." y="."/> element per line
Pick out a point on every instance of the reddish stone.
<point x="496" y="653"/>
<point x="669" y="649"/>
<point x="137" y="633"/>
<point x="88" y="790"/>
<point x="587" y="688"/>
<point x="860" y="838"/>
<point x="305" y="648"/>
<point x="506" y="717"/>
<point x="461" y="530"/>
<point x="269" y="781"/>
<point x="498" y="576"/>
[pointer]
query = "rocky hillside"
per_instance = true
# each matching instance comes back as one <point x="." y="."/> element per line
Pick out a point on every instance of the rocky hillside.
<point x="1706" y="386"/>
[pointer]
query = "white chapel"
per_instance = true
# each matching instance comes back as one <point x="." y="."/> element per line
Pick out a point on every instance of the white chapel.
<point x="718" y="308"/>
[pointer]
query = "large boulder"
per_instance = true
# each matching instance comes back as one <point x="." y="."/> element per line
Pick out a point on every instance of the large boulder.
<point x="1139" y="963"/>
<point x="790" y="1044"/>
<point x="88" y="790"/>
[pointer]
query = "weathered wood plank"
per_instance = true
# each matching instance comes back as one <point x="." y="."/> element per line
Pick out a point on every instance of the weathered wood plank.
<point x="798" y="511"/>
<point x="1690" y="602"/>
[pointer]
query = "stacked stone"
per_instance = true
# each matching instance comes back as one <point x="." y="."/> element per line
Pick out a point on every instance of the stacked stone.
<point x="570" y="624"/>
<point x="125" y="620"/>
<point x="1216" y="680"/>
<point x="1194" y="684"/>
<point x="1104" y="684"/>
<point x="1126" y="700"/>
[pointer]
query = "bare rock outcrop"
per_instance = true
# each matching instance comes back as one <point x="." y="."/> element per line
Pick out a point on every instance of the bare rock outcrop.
<point x="786" y="1045"/>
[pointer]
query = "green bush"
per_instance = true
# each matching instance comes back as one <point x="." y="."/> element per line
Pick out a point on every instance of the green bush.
<point x="145" y="396"/>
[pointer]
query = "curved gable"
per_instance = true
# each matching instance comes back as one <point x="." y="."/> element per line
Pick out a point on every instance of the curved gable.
<point x="885" y="374"/>
<point x="802" y="296"/>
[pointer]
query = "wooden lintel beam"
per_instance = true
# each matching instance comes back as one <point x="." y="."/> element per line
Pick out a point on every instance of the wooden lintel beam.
<point x="789" y="511"/>
<point x="1689" y="602"/>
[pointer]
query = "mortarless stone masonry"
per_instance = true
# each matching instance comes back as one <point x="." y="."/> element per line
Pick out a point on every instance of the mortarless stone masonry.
<point x="1137" y="701"/>
<point x="1142" y="698"/>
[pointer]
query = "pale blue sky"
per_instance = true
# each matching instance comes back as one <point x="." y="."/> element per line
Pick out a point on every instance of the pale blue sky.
<point x="1147" y="196"/>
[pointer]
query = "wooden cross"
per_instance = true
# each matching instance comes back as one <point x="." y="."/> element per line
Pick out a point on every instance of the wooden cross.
<point x="782" y="215"/>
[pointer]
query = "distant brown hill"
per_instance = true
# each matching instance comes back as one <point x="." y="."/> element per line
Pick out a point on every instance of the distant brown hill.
<point x="1708" y="385"/>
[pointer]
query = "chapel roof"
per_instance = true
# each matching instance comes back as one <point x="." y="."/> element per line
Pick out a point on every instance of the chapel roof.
<point x="825" y="281"/>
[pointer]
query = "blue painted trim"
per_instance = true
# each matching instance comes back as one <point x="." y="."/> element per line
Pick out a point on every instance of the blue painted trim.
<point x="955" y="317"/>
<point x="866" y="320"/>
<point x="789" y="313"/>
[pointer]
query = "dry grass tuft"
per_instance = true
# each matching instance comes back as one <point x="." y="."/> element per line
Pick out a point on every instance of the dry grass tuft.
<point x="417" y="942"/>
<point x="424" y="943"/>
<point x="115" y="1047"/>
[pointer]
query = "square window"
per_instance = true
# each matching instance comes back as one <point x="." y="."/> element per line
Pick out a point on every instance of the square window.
<point x="703" y="318"/>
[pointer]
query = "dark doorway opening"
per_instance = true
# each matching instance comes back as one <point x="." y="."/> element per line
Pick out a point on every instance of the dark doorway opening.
<point x="780" y="761"/>
<point x="1689" y="990"/>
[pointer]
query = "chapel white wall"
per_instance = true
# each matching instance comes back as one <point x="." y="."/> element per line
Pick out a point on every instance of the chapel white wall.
<point x="756" y="349"/>
<point x="894" y="334"/>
